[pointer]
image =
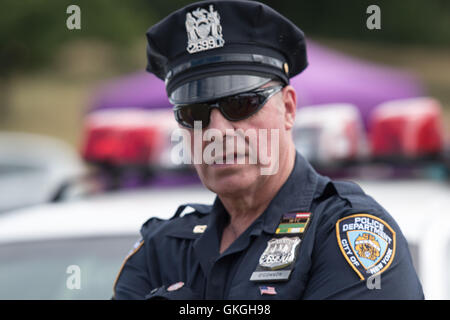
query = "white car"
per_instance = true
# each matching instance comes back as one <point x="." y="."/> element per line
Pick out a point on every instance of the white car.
<point x="43" y="249"/>
<point x="34" y="168"/>
<point x="422" y="210"/>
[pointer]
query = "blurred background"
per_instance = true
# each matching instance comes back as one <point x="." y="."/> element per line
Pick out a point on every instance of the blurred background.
<point x="85" y="132"/>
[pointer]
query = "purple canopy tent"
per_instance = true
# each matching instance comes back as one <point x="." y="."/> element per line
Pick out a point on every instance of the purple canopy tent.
<point x="330" y="77"/>
<point x="334" y="77"/>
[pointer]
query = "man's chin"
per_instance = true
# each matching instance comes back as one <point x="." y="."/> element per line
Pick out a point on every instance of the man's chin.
<point x="229" y="179"/>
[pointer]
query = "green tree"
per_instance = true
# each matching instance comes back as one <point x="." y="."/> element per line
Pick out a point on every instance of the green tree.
<point x="32" y="31"/>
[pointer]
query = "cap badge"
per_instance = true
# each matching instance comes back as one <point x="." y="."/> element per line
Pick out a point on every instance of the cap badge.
<point x="203" y="30"/>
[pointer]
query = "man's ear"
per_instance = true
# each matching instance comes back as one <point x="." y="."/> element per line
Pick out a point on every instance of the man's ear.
<point x="290" y="105"/>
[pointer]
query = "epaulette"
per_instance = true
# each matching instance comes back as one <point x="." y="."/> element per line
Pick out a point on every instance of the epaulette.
<point x="201" y="208"/>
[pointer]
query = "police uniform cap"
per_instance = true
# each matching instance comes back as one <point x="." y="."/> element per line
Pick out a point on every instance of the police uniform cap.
<point x="212" y="49"/>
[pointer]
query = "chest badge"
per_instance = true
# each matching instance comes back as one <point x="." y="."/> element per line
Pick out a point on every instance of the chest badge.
<point x="277" y="261"/>
<point x="279" y="253"/>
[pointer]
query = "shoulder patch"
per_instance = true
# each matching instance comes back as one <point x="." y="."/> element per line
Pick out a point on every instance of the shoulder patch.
<point x="367" y="243"/>
<point x="137" y="245"/>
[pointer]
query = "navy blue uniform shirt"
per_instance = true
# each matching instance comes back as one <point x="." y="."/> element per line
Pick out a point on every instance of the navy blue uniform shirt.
<point x="349" y="237"/>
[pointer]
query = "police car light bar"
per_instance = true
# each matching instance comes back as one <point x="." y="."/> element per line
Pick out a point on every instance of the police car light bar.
<point x="407" y="128"/>
<point x="127" y="136"/>
<point x="330" y="133"/>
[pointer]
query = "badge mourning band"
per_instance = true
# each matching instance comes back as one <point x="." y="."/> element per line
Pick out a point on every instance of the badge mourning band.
<point x="203" y="29"/>
<point x="277" y="260"/>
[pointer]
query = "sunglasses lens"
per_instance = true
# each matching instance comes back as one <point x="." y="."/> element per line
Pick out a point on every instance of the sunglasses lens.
<point x="234" y="108"/>
<point x="241" y="106"/>
<point x="187" y="115"/>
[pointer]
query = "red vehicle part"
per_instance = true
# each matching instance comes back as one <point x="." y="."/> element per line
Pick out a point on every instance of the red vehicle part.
<point x="409" y="127"/>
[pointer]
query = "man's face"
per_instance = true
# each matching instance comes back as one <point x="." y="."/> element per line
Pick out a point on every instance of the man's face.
<point x="260" y="140"/>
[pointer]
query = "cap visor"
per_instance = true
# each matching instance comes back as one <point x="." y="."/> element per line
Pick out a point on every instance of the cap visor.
<point x="215" y="87"/>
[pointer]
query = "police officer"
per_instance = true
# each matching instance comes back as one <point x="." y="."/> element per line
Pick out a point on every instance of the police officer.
<point x="291" y="234"/>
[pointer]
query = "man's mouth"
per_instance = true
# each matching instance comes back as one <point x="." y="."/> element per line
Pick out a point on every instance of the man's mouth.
<point x="230" y="159"/>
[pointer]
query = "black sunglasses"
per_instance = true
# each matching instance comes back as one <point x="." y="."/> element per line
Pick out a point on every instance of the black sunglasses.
<point x="233" y="108"/>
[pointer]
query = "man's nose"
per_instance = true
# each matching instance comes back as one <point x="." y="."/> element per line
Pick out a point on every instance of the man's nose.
<point x="218" y="121"/>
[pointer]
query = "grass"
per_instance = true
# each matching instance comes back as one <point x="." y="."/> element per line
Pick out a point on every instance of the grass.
<point x="53" y="101"/>
<point x="47" y="105"/>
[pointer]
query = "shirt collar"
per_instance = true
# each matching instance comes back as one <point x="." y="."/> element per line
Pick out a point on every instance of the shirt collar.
<point x="295" y="195"/>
